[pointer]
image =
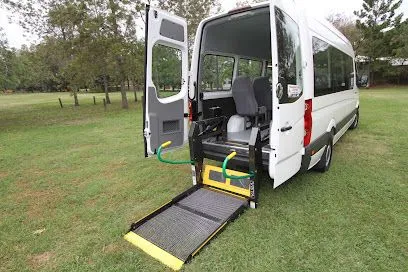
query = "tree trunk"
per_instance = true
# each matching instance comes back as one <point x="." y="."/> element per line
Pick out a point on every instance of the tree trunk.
<point x="105" y="87"/>
<point x="119" y="58"/>
<point x="76" y="97"/>
<point x="134" y="90"/>
<point x="125" y="104"/>
<point x="370" y="76"/>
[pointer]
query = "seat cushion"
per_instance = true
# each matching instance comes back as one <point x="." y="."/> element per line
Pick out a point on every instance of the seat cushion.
<point x="241" y="136"/>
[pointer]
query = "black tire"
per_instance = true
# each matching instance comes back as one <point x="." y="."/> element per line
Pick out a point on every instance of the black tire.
<point x="324" y="164"/>
<point x="354" y="125"/>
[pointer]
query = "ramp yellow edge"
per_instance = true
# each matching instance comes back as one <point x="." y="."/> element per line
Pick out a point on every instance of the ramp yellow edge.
<point x="154" y="251"/>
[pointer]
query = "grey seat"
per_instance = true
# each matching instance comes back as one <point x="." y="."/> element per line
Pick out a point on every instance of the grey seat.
<point x="244" y="97"/>
<point x="246" y="106"/>
<point x="263" y="94"/>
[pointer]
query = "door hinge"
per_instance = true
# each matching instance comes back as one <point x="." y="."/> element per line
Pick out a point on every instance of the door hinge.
<point x="146" y="133"/>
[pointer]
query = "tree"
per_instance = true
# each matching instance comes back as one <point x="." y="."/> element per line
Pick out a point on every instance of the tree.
<point x="39" y="68"/>
<point x="375" y="17"/>
<point x="400" y="42"/>
<point x="243" y="3"/>
<point x="59" y="24"/>
<point x="348" y="28"/>
<point x="135" y="64"/>
<point x="6" y="63"/>
<point x="88" y="39"/>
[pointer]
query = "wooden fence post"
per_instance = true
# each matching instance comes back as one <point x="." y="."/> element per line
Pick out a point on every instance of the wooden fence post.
<point x="60" y="102"/>
<point x="104" y="103"/>
<point x="94" y="100"/>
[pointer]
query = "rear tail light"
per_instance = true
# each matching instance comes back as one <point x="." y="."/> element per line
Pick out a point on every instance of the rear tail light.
<point x="190" y="111"/>
<point x="308" y="122"/>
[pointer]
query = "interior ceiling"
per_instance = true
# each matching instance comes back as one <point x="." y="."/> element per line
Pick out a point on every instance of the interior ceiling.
<point x="246" y="34"/>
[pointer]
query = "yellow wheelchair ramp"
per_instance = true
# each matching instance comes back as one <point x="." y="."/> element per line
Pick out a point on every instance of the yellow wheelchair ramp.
<point x="174" y="233"/>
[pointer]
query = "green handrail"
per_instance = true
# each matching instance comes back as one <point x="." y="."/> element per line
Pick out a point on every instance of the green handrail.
<point x="159" y="156"/>
<point x="224" y="168"/>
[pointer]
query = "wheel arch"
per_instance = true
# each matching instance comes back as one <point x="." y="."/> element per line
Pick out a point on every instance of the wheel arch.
<point x="332" y="126"/>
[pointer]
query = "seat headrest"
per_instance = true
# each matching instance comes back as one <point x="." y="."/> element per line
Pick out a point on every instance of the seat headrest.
<point x="244" y="96"/>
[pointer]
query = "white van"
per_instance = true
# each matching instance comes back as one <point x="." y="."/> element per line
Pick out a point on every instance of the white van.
<point x="292" y="95"/>
<point x="311" y="66"/>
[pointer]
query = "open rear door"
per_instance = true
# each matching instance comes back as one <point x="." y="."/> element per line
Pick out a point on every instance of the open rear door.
<point x="166" y="72"/>
<point x="287" y="128"/>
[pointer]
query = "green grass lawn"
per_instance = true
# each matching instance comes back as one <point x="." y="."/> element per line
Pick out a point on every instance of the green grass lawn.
<point x="73" y="179"/>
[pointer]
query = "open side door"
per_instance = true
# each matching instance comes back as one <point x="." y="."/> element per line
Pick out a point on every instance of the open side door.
<point x="287" y="130"/>
<point x="166" y="76"/>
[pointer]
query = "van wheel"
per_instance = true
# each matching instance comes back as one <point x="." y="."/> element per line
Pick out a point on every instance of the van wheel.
<point x="354" y="125"/>
<point x="324" y="164"/>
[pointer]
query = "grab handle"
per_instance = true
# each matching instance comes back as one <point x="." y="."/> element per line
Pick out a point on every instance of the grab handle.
<point x="159" y="155"/>
<point x="224" y="168"/>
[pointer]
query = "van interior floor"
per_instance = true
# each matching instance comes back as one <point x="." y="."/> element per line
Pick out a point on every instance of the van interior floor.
<point x="176" y="232"/>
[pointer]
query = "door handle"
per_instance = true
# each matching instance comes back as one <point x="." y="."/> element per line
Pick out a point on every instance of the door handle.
<point x="286" y="128"/>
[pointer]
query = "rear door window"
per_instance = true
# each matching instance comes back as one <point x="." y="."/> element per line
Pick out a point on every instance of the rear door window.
<point x="166" y="70"/>
<point x="290" y="59"/>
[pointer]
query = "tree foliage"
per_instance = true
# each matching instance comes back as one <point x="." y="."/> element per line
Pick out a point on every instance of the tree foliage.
<point x="375" y="19"/>
<point x="83" y="41"/>
<point x="8" y="67"/>
<point x="400" y="42"/>
<point x="92" y="43"/>
<point x="347" y="26"/>
<point x="243" y="3"/>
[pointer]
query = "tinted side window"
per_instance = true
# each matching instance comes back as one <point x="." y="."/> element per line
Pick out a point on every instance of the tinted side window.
<point x="349" y="72"/>
<point x="333" y="69"/>
<point x="322" y="77"/>
<point x="337" y="70"/>
<point x="250" y="68"/>
<point x="217" y="72"/>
